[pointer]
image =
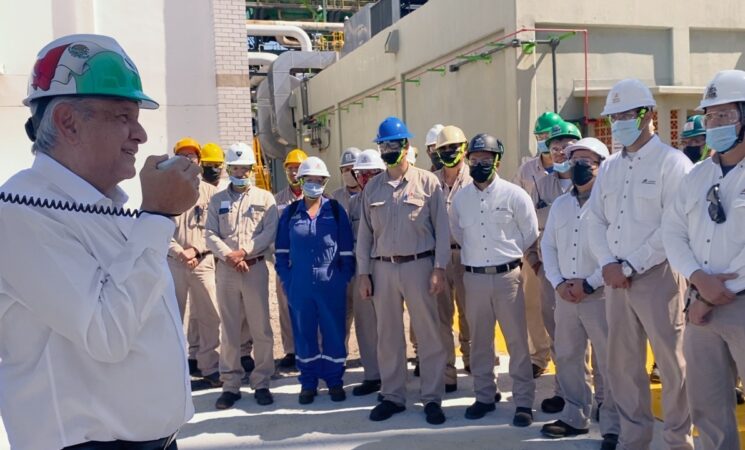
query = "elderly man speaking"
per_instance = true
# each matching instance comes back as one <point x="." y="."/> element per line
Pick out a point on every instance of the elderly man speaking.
<point x="91" y="344"/>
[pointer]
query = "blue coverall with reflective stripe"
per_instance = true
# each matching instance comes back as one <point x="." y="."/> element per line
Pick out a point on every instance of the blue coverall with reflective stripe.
<point x="315" y="262"/>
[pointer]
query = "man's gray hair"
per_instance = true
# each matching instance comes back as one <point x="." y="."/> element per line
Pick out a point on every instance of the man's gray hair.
<point x="47" y="133"/>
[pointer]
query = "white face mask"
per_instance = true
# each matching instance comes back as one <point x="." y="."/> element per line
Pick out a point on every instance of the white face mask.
<point x="240" y="182"/>
<point x="349" y="180"/>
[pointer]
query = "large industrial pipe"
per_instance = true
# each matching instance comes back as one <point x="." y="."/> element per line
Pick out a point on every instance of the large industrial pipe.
<point x="282" y="30"/>
<point x="312" y="26"/>
<point x="263" y="59"/>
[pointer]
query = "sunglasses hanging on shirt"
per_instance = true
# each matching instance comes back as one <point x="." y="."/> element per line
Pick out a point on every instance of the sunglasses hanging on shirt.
<point x="716" y="211"/>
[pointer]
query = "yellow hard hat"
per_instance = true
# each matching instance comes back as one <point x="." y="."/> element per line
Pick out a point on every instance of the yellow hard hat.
<point x="296" y="156"/>
<point x="450" y="135"/>
<point x="212" y="153"/>
<point x="187" y="142"/>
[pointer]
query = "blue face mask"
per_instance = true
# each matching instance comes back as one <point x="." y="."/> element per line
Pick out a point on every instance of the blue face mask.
<point x="722" y="139"/>
<point x="542" y="147"/>
<point x="312" y="190"/>
<point x="562" y="167"/>
<point x="626" y="131"/>
<point x="240" y="182"/>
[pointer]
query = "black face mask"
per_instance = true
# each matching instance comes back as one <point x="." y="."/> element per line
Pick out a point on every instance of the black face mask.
<point x="211" y="174"/>
<point x="391" y="158"/>
<point x="693" y="153"/>
<point x="582" y="173"/>
<point x="436" y="161"/>
<point x="450" y="158"/>
<point x="481" y="173"/>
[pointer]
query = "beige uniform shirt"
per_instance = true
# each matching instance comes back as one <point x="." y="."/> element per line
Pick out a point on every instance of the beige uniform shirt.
<point x="248" y="220"/>
<point x="343" y="196"/>
<point x="407" y="219"/>
<point x="529" y="174"/>
<point x="284" y="198"/>
<point x="547" y="189"/>
<point x="463" y="179"/>
<point x="190" y="225"/>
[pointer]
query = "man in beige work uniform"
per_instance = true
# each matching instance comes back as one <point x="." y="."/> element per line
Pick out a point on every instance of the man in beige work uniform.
<point x="450" y="147"/>
<point x="644" y="297"/>
<point x="241" y="227"/>
<point x="403" y="245"/>
<point x="283" y="199"/>
<point x="702" y="233"/>
<point x="494" y="221"/>
<point x="528" y="176"/>
<point x="193" y="270"/>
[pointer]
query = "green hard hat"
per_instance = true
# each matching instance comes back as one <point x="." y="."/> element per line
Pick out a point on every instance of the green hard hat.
<point x="546" y="121"/>
<point x="694" y="127"/>
<point x="561" y="130"/>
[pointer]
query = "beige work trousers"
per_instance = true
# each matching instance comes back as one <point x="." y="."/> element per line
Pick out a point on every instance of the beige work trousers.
<point x="393" y="285"/>
<point x="575" y="324"/>
<point x="652" y="308"/>
<point x="714" y="352"/>
<point x="239" y="294"/>
<point x="539" y="341"/>
<point x="198" y="286"/>
<point x="366" y="332"/>
<point x="492" y="298"/>
<point x="285" y="325"/>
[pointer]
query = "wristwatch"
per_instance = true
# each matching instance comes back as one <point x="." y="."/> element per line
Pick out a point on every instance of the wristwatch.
<point x="587" y="288"/>
<point x="627" y="269"/>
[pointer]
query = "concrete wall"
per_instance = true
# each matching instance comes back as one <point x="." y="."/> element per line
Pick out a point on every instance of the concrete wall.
<point x="653" y="41"/>
<point x="170" y="41"/>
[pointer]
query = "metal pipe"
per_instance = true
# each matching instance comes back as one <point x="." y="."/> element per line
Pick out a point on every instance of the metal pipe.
<point x="263" y="59"/>
<point x="281" y="30"/>
<point x="554" y="43"/>
<point x="311" y="26"/>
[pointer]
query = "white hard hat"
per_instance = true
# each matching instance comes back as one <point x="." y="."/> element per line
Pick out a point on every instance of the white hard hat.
<point x="313" y="166"/>
<point x="240" y="154"/>
<point x="727" y="86"/>
<point x="432" y="134"/>
<point x="369" y="160"/>
<point x="349" y="156"/>
<point x="589" y="143"/>
<point x="411" y="154"/>
<point x="626" y="95"/>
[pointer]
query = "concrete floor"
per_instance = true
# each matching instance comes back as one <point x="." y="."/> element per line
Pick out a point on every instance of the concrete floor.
<point x="324" y="424"/>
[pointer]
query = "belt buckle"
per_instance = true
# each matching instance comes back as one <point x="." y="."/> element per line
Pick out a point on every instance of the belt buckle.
<point x="491" y="270"/>
<point x="396" y="259"/>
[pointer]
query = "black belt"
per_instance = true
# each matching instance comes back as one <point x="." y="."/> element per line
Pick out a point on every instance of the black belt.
<point x="204" y="254"/>
<point x="406" y="258"/>
<point x="252" y="261"/>
<point x="512" y="265"/>
<point x="454" y="247"/>
<point x="157" y="444"/>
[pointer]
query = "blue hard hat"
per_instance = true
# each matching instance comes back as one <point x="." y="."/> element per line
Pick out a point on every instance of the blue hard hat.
<point x="392" y="129"/>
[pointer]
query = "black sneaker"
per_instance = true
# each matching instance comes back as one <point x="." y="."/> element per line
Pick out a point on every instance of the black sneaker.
<point x="307" y="396"/>
<point x="193" y="369"/>
<point x="479" y="410"/>
<point x="561" y="429"/>
<point x="610" y="441"/>
<point x="434" y="414"/>
<point x="523" y="417"/>
<point x="248" y="364"/>
<point x="337" y="394"/>
<point x="367" y="387"/>
<point x="552" y="405"/>
<point x="451" y="387"/>
<point x="227" y="400"/>
<point x="538" y="371"/>
<point x="384" y="410"/>
<point x="263" y="397"/>
<point x="213" y="379"/>
<point x="287" y="361"/>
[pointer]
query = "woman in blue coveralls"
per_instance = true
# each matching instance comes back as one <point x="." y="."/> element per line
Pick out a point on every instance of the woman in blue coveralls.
<point x="315" y="261"/>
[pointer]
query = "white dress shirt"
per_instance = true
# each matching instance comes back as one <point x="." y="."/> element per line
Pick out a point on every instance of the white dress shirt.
<point x="565" y="246"/>
<point x="91" y="342"/>
<point x="695" y="242"/>
<point x="627" y="201"/>
<point x="494" y="226"/>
